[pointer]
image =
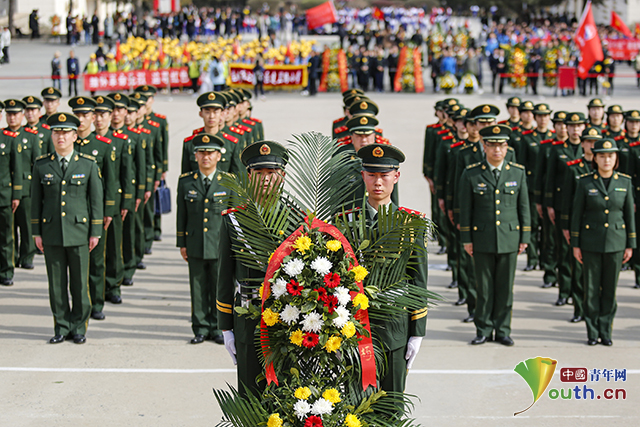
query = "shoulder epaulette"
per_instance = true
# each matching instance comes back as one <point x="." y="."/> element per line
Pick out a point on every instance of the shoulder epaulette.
<point x="154" y="124"/>
<point x="134" y="130"/>
<point x="574" y="162"/>
<point x="9" y="133"/>
<point x="236" y="130"/>
<point x="87" y="156"/>
<point x="161" y="116"/>
<point x="187" y="174"/>
<point x="546" y="141"/>
<point x="189" y="138"/>
<point x="443" y="131"/>
<point x="245" y="128"/>
<point x="515" y="128"/>
<point x="120" y="135"/>
<point x="228" y="211"/>
<point x="585" y="175"/>
<point x="195" y="131"/>
<point x="435" y="126"/>
<point x="510" y="148"/>
<point x="335" y="121"/>
<point x="619" y="137"/>
<point x="145" y="130"/>
<point x="344" y="138"/>
<point x="342" y="142"/>
<point x="46" y="126"/>
<point x="253" y="119"/>
<point x="341" y="129"/>
<point x="473" y="165"/>
<point x="249" y="122"/>
<point x="381" y="140"/>
<point x="44" y="156"/>
<point x="518" y="165"/>
<point x="448" y="137"/>
<point x="558" y="142"/>
<point x="527" y="132"/>
<point x="456" y="144"/>
<point x="103" y="139"/>
<point x="552" y="130"/>
<point x="30" y="130"/>
<point x="623" y="174"/>
<point x="379" y="130"/>
<point x="503" y="122"/>
<point x="230" y="138"/>
<point x="634" y="144"/>
<point x="413" y="212"/>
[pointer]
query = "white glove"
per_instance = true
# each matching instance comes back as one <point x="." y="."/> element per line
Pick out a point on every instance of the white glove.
<point x="230" y="344"/>
<point x="413" y="347"/>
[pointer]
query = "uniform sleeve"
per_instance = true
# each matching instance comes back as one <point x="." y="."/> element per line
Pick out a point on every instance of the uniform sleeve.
<point x="186" y="155"/>
<point x="440" y="169"/>
<point x="165" y="146"/>
<point x="36" y="202"/>
<point x="419" y="274"/>
<point x="225" y="291"/>
<point x="629" y="218"/>
<point x="550" y="178"/>
<point x="427" y="165"/>
<point x="576" y="215"/>
<point x="453" y="183"/>
<point x="569" y="187"/>
<point x="466" y="208"/>
<point x="181" y="221"/>
<point x="141" y="169"/>
<point x="127" y="178"/>
<point x="524" y="212"/>
<point x="96" y="200"/>
<point x="540" y="173"/>
<point x="17" y="177"/>
<point x="158" y="158"/>
<point x="150" y="164"/>
<point x="111" y="182"/>
<point x="237" y="167"/>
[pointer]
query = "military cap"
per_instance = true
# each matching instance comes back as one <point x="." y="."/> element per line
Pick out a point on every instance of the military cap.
<point x="120" y="100"/>
<point x="134" y="105"/>
<point x="246" y="94"/>
<point x="380" y="157"/>
<point x="82" y="104"/>
<point x="350" y="92"/>
<point x="104" y="103"/>
<point x="559" y="116"/>
<point x="485" y="113"/>
<point x="233" y="97"/>
<point x="1" y="105"/>
<point x="514" y="101"/>
<point x="210" y="99"/>
<point x="605" y="145"/>
<point x="575" y="118"/>
<point x="591" y="133"/>
<point x="541" y="109"/>
<point x="614" y="109"/>
<point x="526" y="106"/>
<point x="139" y="96"/>
<point x="146" y="89"/>
<point x="207" y="142"/>
<point x="595" y="102"/>
<point x="224" y="99"/>
<point x="452" y="110"/>
<point x="438" y="105"/>
<point x="51" y="93"/>
<point x="362" y="124"/>
<point x="353" y="98"/>
<point x="365" y="106"/>
<point x="633" y="115"/>
<point x="461" y="114"/>
<point x="495" y="133"/>
<point x="449" y="101"/>
<point x="32" y="102"/>
<point x="265" y="154"/>
<point x="14" y="105"/>
<point x="63" y="121"/>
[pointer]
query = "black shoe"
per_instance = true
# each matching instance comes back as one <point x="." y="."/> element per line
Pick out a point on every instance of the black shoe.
<point x="530" y="267"/>
<point x="448" y="268"/>
<point x="625" y="267"/>
<point x="39" y="252"/>
<point x="6" y="282"/>
<point x="547" y="285"/>
<point x="479" y="340"/>
<point x="27" y="266"/>
<point x="147" y="251"/>
<point x="608" y="343"/>
<point x="561" y="301"/>
<point x="576" y="319"/>
<point x="127" y="282"/>
<point x="453" y="284"/>
<point x="198" y="339"/>
<point x="157" y="238"/>
<point x="468" y="319"/>
<point x="461" y="301"/>
<point x="115" y="299"/>
<point x="56" y="340"/>
<point x="79" y="339"/>
<point x="637" y="286"/>
<point x="592" y="342"/>
<point x="218" y="339"/>
<point x="97" y="315"/>
<point x="141" y="266"/>
<point x="505" y="341"/>
<point x="442" y="251"/>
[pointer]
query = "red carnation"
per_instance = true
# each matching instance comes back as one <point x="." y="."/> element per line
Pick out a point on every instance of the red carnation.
<point x="310" y="340"/>
<point x="294" y="288"/>
<point x="331" y="280"/>
<point x="331" y="302"/>
<point x="322" y="293"/>
<point x="313" y="421"/>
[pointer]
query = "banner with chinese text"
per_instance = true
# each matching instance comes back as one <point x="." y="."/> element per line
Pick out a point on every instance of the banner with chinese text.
<point x="121" y="80"/>
<point x="287" y="77"/>
<point x="623" y="49"/>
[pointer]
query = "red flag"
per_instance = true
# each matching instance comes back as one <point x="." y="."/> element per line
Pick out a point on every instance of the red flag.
<point x="321" y="15"/>
<point x="118" y="51"/>
<point x="588" y="42"/>
<point x="161" y="54"/>
<point x="378" y="14"/>
<point x="617" y="24"/>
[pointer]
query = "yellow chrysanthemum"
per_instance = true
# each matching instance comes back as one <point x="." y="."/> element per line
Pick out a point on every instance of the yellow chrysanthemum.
<point x="274" y="421"/>
<point x="297" y="337"/>
<point x="348" y="330"/>
<point x="302" y="393"/>
<point x="261" y="290"/>
<point x="270" y="317"/>
<point x="360" y="273"/>
<point x="334" y="245"/>
<point x="352" y="421"/>
<point x="332" y="395"/>
<point x="362" y="301"/>
<point x="271" y="256"/>
<point x="302" y="244"/>
<point x="333" y="344"/>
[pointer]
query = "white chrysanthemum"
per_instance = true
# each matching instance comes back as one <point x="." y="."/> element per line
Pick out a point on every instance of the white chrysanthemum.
<point x="290" y="314"/>
<point x="279" y="288"/>
<point x="342" y="294"/>
<point x="294" y="267"/>
<point x="322" y="266"/>
<point x="301" y="409"/>
<point x="312" y="322"/>
<point x="321" y="407"/>
<point x="343" y="317"/>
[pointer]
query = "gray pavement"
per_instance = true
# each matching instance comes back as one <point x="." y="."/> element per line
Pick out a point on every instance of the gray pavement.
<point x="137" y="368"/>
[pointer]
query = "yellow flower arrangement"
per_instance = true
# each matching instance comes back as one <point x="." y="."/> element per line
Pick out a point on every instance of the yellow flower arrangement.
<point x="274" y="421"/>
<point x="332" y="395"/>
<point x="362" y="301"/>
<point x="352" y="421"/>
<point x="334" y="245"/>
<point x="270" y="317"/>
<point x="348" y="330"/>
<point x="302" y="244"/>
<point x="302" y="393"/>
<point x="360" y="273"/>
<point x="296" y="337"/>
<point x="333" y="344"/>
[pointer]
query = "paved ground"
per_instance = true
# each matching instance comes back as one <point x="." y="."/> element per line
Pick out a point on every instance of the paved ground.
<point x="137" y="368"/>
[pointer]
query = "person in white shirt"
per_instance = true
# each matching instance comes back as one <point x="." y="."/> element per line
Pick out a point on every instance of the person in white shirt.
<point x="5" y="42"/>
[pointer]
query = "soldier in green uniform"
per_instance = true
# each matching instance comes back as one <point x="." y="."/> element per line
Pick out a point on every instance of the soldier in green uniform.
<point x="245" y="113"/>
<point x="51" y="101"/>
<point x="11" y="176"/>
<point x="596" y="114"/>
<point x="513" y="108"/>
<point x="200" y="204"/>
<point x="494" y="228"/>
<point x="526" y="126"/>
<point x="401" y="335"/>
<point x="632" y="141"/>
<point x="229" y="125"/>
<point x="67" y="216"/>
<point x="99" y="148"/>
<point x="339" y="125"/>
<point x="237" y="284"/>
<point x="30" y="147"/>
<point x="615" y="119"/>
<point x="548" y="261"/>
<point x="32" y="115"/>
<point x="603" y="236"/>
<point x="554" y="194"/>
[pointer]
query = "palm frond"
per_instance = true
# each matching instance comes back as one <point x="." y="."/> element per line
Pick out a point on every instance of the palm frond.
<point x="239" y="411"/>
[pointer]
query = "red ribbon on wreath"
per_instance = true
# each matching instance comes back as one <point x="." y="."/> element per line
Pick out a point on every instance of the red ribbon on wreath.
<point x="365" y="345"/>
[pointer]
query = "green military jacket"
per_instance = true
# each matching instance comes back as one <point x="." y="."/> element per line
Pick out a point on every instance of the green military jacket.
<point x="229" y="161"/>
<point x="157" y="150"/>
<point x="515" y="139"/>
<point x="530" y="147"/>
<point x="11" y="173"/>
<point x="139" y="157"/>
<point x="560" y="153"/>
<point x="199" y="217"/>
<point x="259" y="128"/>
<point x="147" y="144"/>
<point x="603" y="219"/>
<point x="163" y="124"/>
<point x="44" y="135"/>
<point x="30" y="151"/>
<point x="428" y="159"/>
<point x="66" y="207"/>
<point x="577" y="168"/>
<point x="444" y="159"/>
<point x="338" y="125"/>
<point x="99" y="147"/>
<point x="494" y="216"/>
<point x="624" y="155"/>
<point x="122" y="156"/>
<point x="540" y="172"/>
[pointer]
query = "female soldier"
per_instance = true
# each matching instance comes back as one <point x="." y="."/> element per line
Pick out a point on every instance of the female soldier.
<point x="603" y="236"/>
